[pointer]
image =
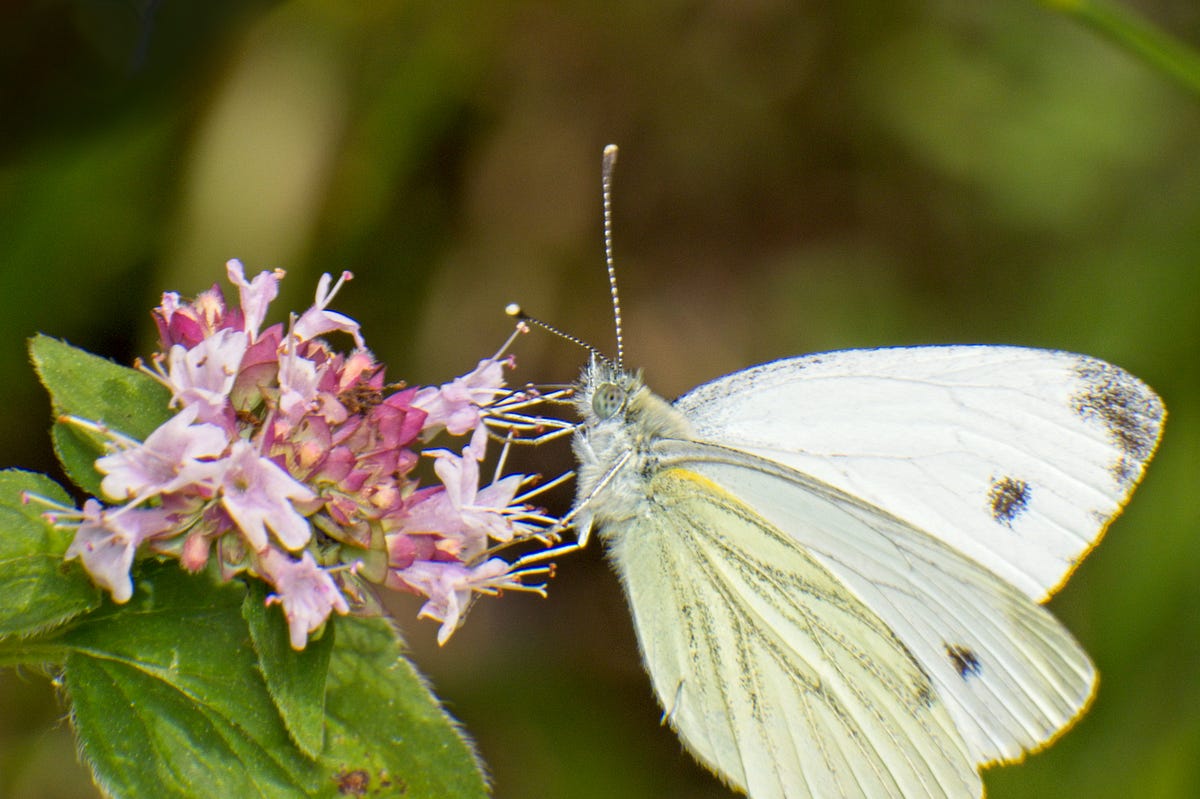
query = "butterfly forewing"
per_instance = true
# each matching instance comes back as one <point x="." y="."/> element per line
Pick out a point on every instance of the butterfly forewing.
<point x="1017" y="457"/>
<point x="774" y="674"/>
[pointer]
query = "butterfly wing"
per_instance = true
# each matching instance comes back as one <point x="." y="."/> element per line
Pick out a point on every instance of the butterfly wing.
<point x="773" y="673"/>
<point x="1010" y="675"/>
<point x="1018" y="458"/>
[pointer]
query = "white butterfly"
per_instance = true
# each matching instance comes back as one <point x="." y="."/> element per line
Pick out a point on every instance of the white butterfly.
<point x="836" y="563"/>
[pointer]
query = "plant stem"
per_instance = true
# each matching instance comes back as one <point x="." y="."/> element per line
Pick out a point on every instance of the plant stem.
<point x="1156" y="47"/>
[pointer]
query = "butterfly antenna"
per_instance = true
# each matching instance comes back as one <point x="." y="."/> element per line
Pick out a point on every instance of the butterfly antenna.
<point x="515" y="311"/>
<point x="606" y="176"/>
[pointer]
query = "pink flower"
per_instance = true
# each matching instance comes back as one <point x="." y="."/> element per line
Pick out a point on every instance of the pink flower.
<point x="462" y="511"/>
<point x="254" y="296"/>
<point x="450" y="588"/>
<point x="317" y="321"/>
<point x="106" y="541"/>
<point x="306" y="592"/>
<point x="204" y="375"/>
<point x="295" y="462"/>
<point x="166" y="461"/>
<point x="457" y="405"/>
<point x="256" y="493"/>
<point x="299" y="380"/>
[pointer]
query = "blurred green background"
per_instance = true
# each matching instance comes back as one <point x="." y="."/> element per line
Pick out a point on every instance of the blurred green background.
<point x="794" y="176"/>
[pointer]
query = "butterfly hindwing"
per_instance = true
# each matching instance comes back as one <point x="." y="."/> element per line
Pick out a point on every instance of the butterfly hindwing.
<point x="1011" y="676"/>
<point x="773" y="673"/>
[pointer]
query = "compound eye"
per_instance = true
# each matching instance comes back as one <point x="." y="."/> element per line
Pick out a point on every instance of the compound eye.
<point x="607" y="400"/>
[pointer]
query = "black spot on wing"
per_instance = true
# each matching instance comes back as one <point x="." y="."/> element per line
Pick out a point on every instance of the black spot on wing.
<point x="1131" y="413"/>
<point x="964" y="660"/>
<point x="1008" y="499"/>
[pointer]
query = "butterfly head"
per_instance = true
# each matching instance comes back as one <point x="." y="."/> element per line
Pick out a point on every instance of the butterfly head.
<point x="622" y="422"/>
<point x="605" y="391"/>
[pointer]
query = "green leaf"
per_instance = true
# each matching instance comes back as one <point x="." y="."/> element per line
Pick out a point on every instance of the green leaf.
<point x="169" y="700"/>
<point x="415" y="749"/>
<point x="88" y="386"/>
<point x="40" y="591"/>
<point x="78" y="453"/>
<point x="143" y="735"/>
<point x="295" y="680"/>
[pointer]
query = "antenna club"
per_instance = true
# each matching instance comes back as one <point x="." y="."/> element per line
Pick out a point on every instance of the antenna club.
<point x="514" y="310"/>
<point x="610" y="161"/>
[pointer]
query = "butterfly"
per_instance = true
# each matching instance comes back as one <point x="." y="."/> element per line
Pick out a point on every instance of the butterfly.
<point x="837" y="563"/>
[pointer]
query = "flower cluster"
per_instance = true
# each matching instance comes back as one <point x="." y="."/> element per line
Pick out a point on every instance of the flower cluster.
<point x="295" y="463"/>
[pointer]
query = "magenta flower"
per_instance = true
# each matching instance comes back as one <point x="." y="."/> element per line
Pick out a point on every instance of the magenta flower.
<point x="190" y="323"/>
